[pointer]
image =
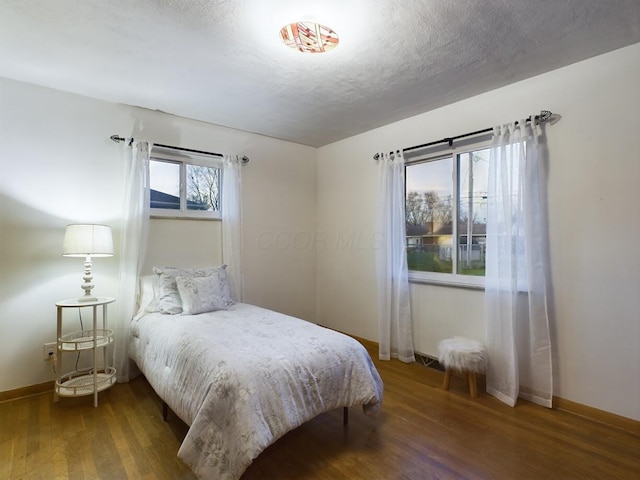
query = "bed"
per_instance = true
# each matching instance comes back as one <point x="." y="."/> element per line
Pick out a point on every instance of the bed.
<point x="241" y="376"/>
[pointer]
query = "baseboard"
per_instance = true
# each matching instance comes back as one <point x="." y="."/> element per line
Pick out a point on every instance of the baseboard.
<point x="602" y="416"/>
<point x="26" y="391"/>
<point x="592" y="413"/>
<point x="368" y="344"/>
<point x="597" y="415"/>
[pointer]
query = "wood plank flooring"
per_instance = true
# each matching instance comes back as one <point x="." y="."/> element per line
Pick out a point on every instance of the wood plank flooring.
<point x="421" y="433"/>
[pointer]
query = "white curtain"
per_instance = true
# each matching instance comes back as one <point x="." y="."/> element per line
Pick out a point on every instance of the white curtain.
<point x="394" y="311"/>
<point x="232" y="224"/>
<point x="135" y="229"/>
<point x="517" y="329"/>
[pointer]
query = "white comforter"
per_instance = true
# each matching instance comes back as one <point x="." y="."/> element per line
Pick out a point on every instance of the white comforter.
<point x="242" y="378"/>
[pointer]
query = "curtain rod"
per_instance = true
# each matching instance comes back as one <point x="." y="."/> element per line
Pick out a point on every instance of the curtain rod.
<point x="117" y="139"/>
<point x="543" y="117"/>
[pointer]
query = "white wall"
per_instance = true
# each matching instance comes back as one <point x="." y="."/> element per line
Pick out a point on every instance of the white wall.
<point x="594" y="226"/>
<point x="187" y="243"/>
<point x="58" y="166"/>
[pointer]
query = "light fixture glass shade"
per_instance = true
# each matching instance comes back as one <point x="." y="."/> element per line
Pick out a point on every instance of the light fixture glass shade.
<point x="87" y="241"/>
<point x="83" y="240"/>
<point x="309" y="37"/>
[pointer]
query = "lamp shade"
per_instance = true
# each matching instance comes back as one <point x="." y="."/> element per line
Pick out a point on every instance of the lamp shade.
<point x="83" y="240"/>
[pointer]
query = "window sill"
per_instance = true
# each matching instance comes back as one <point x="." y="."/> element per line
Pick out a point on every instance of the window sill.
<point x="183" y="217"/>
<point x="447" y="280"/>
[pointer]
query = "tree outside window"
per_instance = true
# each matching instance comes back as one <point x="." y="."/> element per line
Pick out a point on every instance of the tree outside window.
<point x="446" y="213"/>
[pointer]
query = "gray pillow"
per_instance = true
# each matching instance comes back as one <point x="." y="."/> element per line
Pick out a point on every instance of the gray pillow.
<point x="168" y="300"/>
<point x="201" y="294"/>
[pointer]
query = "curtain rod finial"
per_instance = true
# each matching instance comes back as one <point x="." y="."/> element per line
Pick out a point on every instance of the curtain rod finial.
<point x="545" y="115"/>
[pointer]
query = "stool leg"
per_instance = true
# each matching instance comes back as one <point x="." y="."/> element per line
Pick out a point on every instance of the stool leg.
<point x="447" y="379"/>
<point x="473" y="390"/>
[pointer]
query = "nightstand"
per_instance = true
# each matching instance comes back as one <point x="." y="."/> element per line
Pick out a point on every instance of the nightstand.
<point x="99" y="376"/>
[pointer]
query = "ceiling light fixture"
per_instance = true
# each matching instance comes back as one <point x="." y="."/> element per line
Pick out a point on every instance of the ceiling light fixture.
<point x="309" y="37"/>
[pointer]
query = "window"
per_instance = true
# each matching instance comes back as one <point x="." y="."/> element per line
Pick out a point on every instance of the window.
<point x="184" y="186"/>
<point x="446" y="215"/>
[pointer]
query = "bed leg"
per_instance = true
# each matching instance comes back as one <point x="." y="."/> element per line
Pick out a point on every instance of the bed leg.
<point x="345" y="416"/>
<point x="165" y="411"/>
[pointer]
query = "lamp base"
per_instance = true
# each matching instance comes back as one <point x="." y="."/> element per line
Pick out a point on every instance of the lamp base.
<point x="87" y="285"/>
<point x="87" y="298"/>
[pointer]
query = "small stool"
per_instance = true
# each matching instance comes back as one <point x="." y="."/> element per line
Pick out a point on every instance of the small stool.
<point x="462" y="355"/>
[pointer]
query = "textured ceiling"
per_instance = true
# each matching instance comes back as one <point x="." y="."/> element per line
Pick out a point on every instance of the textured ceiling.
<point x="221" y="61"/>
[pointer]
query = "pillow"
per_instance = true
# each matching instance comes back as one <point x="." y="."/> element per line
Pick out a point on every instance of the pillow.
<point x="224" y="286"/>
<point x="200" y="294"/>
<point x="146" y="294"/>
<point x="168" y="296"/>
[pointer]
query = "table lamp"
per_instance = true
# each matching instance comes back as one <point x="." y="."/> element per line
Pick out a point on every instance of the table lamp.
<point x="87" y="241"/>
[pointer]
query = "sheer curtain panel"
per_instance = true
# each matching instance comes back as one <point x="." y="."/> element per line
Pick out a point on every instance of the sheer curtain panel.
<point x="232" y="223"/>
<point x="135" y="229"/>
<point x="394" y="310"/>
<point x="517" y="321"/>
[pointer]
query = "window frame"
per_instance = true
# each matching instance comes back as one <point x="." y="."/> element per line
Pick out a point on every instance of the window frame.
<point x="441" y="152"/>
<point x="184" y="159"/>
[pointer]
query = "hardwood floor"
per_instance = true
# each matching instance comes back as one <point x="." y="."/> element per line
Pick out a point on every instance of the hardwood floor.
<point x="423" y="432"/>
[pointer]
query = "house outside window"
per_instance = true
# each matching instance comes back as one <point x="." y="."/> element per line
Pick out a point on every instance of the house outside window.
<point x="184" y="186"/>
<point x="446" y="214"/>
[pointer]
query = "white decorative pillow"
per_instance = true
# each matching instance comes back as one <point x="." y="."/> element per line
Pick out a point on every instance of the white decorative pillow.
<point x="224" y="286"/>
<point x="200" y="294"/>
<point x="147" y="294"/>
<point x="167" y="297"/>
